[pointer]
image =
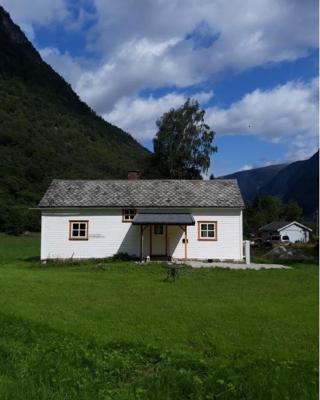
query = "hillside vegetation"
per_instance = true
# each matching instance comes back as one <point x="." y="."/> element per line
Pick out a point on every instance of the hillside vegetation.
<point x="47" y="132"/>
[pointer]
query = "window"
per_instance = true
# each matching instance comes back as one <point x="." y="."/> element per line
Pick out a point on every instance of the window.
<point x="78" y="230"/>
<point x="275" y="238"/>
<point x="207" y="230"/>
<point x="158" y="229"/>
<point x="128" y="214"/>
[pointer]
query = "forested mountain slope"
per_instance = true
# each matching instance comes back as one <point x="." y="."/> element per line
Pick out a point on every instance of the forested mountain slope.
<point x="298" y="182"/>
<point x="252" y="180"/>
<point x="47" y="132"/>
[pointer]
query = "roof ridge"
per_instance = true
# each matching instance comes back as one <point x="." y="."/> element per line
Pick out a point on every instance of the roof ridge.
<point x="145" y="180"/>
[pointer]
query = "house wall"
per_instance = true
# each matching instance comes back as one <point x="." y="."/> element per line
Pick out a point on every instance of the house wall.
<point x="108" y="235"/>
<point x="295" y="233"/>
<point x="228" y="245"/>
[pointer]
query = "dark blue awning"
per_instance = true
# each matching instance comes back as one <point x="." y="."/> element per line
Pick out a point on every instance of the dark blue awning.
<point x="163" y="219"/>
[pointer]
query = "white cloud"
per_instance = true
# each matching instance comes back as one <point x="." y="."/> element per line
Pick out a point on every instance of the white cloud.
<point x="246" y="167"/>
<point x="141" y="120"/>
<point x="265" y="26"/>
<point x="136" y="65"/>
<point x="144" y="44"/>
<point x="40" y="12"/>
<point x="149" y="48"/>
<point x="63" y="63"/>
<point x="285" y="114"/>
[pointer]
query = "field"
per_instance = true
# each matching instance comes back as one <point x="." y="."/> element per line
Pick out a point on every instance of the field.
<point x="107" y="330"/>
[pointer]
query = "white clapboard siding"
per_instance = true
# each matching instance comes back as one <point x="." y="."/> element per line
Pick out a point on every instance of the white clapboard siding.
<point x="108" y="235"/>
<point x="228" y="245"/>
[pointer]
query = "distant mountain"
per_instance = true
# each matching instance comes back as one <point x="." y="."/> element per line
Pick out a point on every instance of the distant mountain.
<point x="298" y="182"/>
<point x="47" y="132"/>
<point x="251" y="181"/>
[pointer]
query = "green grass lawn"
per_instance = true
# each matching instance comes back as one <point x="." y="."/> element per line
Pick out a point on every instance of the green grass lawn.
<point x="106" y="330"/>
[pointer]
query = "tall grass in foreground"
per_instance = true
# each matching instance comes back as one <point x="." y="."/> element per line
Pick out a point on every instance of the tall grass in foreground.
<point x="41" y="363"/>
<point x="117" y="331"/>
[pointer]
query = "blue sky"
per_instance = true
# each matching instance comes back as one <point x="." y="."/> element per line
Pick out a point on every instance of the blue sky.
<point x="252" y="65"/>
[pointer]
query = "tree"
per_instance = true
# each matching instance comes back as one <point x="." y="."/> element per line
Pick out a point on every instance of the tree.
<point x="183" y="144"/>
<point x="292" y="211"/>
<point x="268" y="209"/>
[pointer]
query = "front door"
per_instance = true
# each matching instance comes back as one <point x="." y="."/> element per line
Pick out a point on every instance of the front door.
<point x="158" y="240"/>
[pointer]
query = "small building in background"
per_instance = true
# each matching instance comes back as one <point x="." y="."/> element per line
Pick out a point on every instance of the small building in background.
<point x="284" y="231"/>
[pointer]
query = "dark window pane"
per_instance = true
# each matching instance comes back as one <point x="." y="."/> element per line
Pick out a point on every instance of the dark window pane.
<point x="158" y="229"/>
<point x="82" y="233"/>
<point x="75" y="232"/>
<point x="82" y="226"/>
<point x="210" y="227"/>
<point x="75" y="226"/>
<point x="128" y="214"/>
<point x="211" y="234"/>
<point x="204" y="234"/>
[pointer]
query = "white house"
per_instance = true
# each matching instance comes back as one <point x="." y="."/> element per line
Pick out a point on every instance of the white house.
<point x="290" y="232"/>
<point x="178" y="219"/>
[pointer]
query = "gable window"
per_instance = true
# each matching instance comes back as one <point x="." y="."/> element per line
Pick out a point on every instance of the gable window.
<point x="78" y="230"/>
<point x="207" y="230"/>
<point x="158" y="229"/>
<point x="128" y="214"/>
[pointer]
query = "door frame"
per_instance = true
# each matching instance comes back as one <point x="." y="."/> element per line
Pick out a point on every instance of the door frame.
<point x="165" y="227"/>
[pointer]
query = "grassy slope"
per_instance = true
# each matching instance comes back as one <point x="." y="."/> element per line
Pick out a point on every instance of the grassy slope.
<point x="121" y="331"/>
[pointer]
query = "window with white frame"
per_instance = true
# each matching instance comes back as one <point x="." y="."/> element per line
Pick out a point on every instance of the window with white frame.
<point x="207" y="230"/>
<point x="128" y="214"/>
<point x="78" y="230"/>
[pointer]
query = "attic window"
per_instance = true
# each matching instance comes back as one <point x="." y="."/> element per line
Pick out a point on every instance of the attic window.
<point x="78" y="230"/>
<point x="128" y="214"/>
<point x="207" y="230"/>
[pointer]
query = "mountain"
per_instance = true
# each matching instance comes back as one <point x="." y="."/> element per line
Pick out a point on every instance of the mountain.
<point x="298" y="182"/>
<point x="47" y="132"/>
<point x="251" y="181"/>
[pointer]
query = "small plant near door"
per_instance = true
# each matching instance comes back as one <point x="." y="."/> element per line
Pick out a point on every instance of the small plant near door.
<point x="173" y="271"/>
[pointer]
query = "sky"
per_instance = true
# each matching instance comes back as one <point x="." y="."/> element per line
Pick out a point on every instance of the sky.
<point x="251" y="64"/>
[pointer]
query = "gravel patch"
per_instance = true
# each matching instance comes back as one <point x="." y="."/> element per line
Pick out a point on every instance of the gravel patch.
<point x="214" y="264"/>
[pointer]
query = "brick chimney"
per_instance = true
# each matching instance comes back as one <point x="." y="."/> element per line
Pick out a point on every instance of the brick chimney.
<point x="133" y="175"/>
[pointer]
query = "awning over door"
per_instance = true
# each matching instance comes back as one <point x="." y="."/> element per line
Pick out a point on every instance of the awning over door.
<point x="163" y="219"/>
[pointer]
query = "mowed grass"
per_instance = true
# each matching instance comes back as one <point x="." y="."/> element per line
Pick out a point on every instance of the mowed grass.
<point x="105" y="330"/>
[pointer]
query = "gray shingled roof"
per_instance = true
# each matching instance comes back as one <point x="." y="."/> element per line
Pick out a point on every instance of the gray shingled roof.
<point x="274" y="226"/>
<point x="278" y="225"/>
<point x="142" y="193"/>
